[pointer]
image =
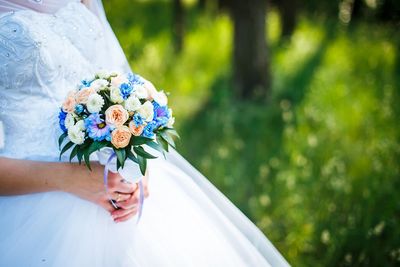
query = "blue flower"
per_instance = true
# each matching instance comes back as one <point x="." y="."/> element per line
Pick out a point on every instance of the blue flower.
<point x="135" y="79"/>
<point x="161" y="114"/>
<point x="148" y="130"/>
<point x="138" y="120"/>
<point x="86" y="83"/>
<point x="126" y="90"/>
<point x="78" y="109"/>
<point x="61" y="118"/>
<point x="97" y="129"/>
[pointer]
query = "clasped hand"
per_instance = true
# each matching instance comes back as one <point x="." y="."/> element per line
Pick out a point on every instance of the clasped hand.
<point x="125" y="194"/>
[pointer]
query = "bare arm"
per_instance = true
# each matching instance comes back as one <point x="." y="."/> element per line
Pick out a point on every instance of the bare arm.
<point x="19" y="177"/>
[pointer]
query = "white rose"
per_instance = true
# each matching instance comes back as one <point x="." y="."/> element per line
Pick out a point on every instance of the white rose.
<point x="76" y="135"/>
<point x="171" y="122"/>
<point x="80" y="125"/>
<point x="141" y="92"/>
<point x="99" y="84"/>
<point x="146" y="111"/>
<point x="132" y="103"/>
<point x="95" y="103"/>
<point x="69" y="121"/>
<point x="115" y="95"/>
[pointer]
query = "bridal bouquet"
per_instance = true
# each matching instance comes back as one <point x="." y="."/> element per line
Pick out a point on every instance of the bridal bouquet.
<point x="116" y="116"/>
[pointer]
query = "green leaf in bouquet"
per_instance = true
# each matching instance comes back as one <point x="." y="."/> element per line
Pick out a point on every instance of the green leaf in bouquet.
<point x="156" y="146"/>
<point x="79" y="155"/>
<point x="130" y="155"/>
<point x="74" y="152"/>
<point x="172" y="132"/>
<point x="162" y="142"/>
<point x="167" y="138"/>
<point x="65" y="148"/>
<point x="140" y="140"/>
<point x="121" y="156"/>
<point x="96" y="146"/>
<point x="142" y="164"/>
<point x="141" y="152"/>
<point x="61" y="139"/>
<point x="86" y="157"/>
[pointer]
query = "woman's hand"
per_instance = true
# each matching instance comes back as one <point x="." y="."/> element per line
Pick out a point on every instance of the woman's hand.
<point x="129" y="206"/>
<point x="89" y="185"/>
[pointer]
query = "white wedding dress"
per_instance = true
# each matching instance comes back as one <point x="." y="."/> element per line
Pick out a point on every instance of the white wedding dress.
<point x="46" y="47"/>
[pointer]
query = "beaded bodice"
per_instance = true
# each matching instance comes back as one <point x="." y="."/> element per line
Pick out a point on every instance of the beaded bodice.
<point x="42" y="57"/>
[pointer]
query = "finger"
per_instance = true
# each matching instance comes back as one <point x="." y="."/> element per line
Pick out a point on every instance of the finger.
<point x="117" y="183"/>
<point x="118" y="197"/>
<point x="124" y="187"/>
<point x="129" y="203"/>
<point x="121" y="213"/>
<point x="125" y="217"/>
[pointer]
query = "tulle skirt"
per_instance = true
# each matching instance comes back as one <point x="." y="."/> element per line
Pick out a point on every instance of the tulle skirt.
<point x="185" y="222"/>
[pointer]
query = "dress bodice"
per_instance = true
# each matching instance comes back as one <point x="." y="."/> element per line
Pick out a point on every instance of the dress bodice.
<point x="42" y="57"/>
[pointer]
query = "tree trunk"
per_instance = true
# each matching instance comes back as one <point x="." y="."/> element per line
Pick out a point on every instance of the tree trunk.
<point x="178" y="25"/>
<point x="250" y="57"/>
<point x="288" y="11"/>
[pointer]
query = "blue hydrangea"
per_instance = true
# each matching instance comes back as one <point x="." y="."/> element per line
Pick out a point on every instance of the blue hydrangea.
<point x="126" y="90"/>
<point x="148" y="130"/>
<point x="135" y="79"/>
<point x="79" y="109"/>
<point x="61" y="120"/>
<point x="138" y="120"/>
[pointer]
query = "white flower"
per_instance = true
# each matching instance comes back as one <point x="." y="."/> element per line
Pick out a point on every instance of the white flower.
<point x="141" y="92"/>
<point x="146" y="111"/>
<point x="95" y="103"/>
<point x="69" y="120"/>
<point x="115" y="95"/>
<point x="80" y="125"/>
<point x="161" y="98"/>
<point x="99" y="84"/>
<point x="115" y="73"/>
<point x="132" y="103"/>
<point x="102" y="74"/>
<point x="171" y="122"/>
<point x="76" y="135"/>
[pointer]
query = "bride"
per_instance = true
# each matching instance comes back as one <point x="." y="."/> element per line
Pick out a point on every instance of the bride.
<point x="57" y="213"/>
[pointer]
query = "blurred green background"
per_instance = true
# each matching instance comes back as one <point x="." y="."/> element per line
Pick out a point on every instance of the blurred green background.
<point x="316" y="163"/>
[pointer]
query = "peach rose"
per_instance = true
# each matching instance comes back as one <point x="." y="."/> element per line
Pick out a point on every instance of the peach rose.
<point x="69" y="104"/>
<point x="116" y="115"/>
<point x="83" y="95"/>
<point x="120" y="137"/>
<point x="135" y="130"/>
<point x="118" y="80"/>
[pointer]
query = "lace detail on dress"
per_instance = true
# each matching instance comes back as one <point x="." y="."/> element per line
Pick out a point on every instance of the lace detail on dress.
<point x="17" y="49"/>
<point x="42" y="57"/>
